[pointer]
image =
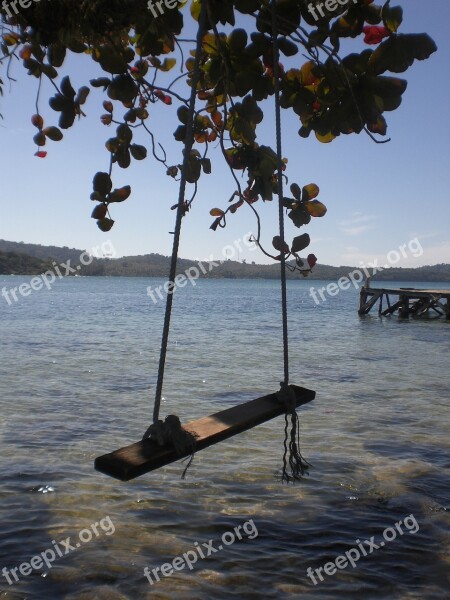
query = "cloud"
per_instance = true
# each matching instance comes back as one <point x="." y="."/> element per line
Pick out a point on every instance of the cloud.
<point x="435" y="254"/>
<point x="432" y="255"/>
<point x="357" y="230"/>
<point x="357" y="224"/>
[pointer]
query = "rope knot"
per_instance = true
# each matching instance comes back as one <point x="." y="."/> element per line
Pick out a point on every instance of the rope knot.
<point x="171" y="432"/>
<point x="286" y="396"/>
<point x="294" y="465"/>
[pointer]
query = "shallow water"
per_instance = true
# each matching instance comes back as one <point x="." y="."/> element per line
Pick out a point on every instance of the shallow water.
<point x="77" y="371"/>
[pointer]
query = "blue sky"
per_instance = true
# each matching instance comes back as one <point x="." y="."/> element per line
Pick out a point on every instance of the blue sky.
<point x="379" y="197"/>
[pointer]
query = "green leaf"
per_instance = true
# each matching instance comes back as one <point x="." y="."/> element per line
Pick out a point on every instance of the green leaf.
<point x="300" y="216"/>
<point x="99" y="211"/>
<point x="82" y="95"/>
<point x="183" y="114"/>
<point x="279" y="247"/>
<point x="310" y="192"/>
<point x="216" y="212"/>
<point x="398" y="52"/>
<point x="67" y="89"/>
<point x="124" y="133"/>
<point x="237" y="40"/>
<point x="102" y="183"/>
<point x="122" y="88"/>
<point x="56" y="54"/>
<point x="39" y="139"/>
<point x="112" y="145"/>
<point x="120" y="194"/>
<point x="300" y="243"/>
<point x="53" y="133"/>
<point x="316" y="208"/>
<point x="110" y="59"/>
<point x="296" y="191"/>
<point x="105" y="224"/>
<point x="392" y="17"/>
<point x="11" y="39"/>
<point x="123" y="157"/>
<point x="100" y="82"/>
<point x="168" y="64"/>
<point x="97" y="197"/>
<point x="325" y="138"/>
<point x="138" y="152"/>
<point x="206" y="166"/>
<point x="193" y="169"/>
<point x="287" y="47"/>
<point x="50" y="71"/>
<point x="67" y="118"/>
<point x="59" y="103"/>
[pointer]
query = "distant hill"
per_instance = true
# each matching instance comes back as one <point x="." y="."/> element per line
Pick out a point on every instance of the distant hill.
<point x="14" y="263"/>
<point x="157" y="265"/>
<point x="47" y="253"/>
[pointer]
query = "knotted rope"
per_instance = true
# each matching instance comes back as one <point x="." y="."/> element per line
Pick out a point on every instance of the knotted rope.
<point x="168" y="430"/>
<point x="292" y="457"/>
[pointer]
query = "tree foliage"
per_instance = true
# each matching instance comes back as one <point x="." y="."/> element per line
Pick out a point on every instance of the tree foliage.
<point x="331" y="92"/>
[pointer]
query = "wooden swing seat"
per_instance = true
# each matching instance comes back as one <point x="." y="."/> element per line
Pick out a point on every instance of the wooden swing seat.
<point x="145" y="456"/>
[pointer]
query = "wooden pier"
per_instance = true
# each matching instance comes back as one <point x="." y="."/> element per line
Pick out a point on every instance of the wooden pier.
<point x="406" y="302"/>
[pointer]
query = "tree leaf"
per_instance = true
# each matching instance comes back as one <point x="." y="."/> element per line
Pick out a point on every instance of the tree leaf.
<point x="206" y="165"/>
<point x="310" y="192"/>
<point x="300" y="216"/>
<point x="138" y="152"/>
<point x="392" y="17"/>
<point x="102" y="183"/>
<point x="168" y="64"/>
<point x="66" y="88"/>
<point x="99" y="211"/>
<point x="82" y="95"/>
<point x="312" y="260"/>
<point x="53" y="133"/>
<point x="120" y="194"/>
<point x="276" y="243"/>
<point x="296" y="191"/>
<point x="105" y="224"/>
<point x="216" y="212"/>
<point x="316" y="208"/>
<point x="300" y="243"/>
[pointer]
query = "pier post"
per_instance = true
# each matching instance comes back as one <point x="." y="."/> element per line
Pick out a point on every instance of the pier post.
<point x="362" y="301"/>
<point x="404" y="307"/>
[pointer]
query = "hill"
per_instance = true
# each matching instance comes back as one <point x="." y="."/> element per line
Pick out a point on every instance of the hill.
<point x="14" y="263"/>
<point x="34" y="258"/>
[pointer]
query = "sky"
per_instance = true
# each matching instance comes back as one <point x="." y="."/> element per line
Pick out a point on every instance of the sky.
<point x="384" y="201"/>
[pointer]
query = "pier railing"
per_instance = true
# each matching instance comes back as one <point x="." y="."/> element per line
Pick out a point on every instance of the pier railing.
<point x="406" y="302"/>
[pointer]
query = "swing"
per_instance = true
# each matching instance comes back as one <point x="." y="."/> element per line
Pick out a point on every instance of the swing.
<point x="167" y="441"/>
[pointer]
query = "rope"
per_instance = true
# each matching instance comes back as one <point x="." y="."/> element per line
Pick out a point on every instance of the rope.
<point x="188" y="145"/>
<point x="294" y="466"/>
<point x="276" y="74"/>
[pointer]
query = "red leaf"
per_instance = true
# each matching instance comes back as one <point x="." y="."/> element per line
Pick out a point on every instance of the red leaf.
<point x="312" y="260"/>
<point x="374" y="34"/>
<point x="41" y="154"/>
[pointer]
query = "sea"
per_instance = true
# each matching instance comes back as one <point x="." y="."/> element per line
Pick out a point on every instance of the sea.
<point x="78" y="365"/>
